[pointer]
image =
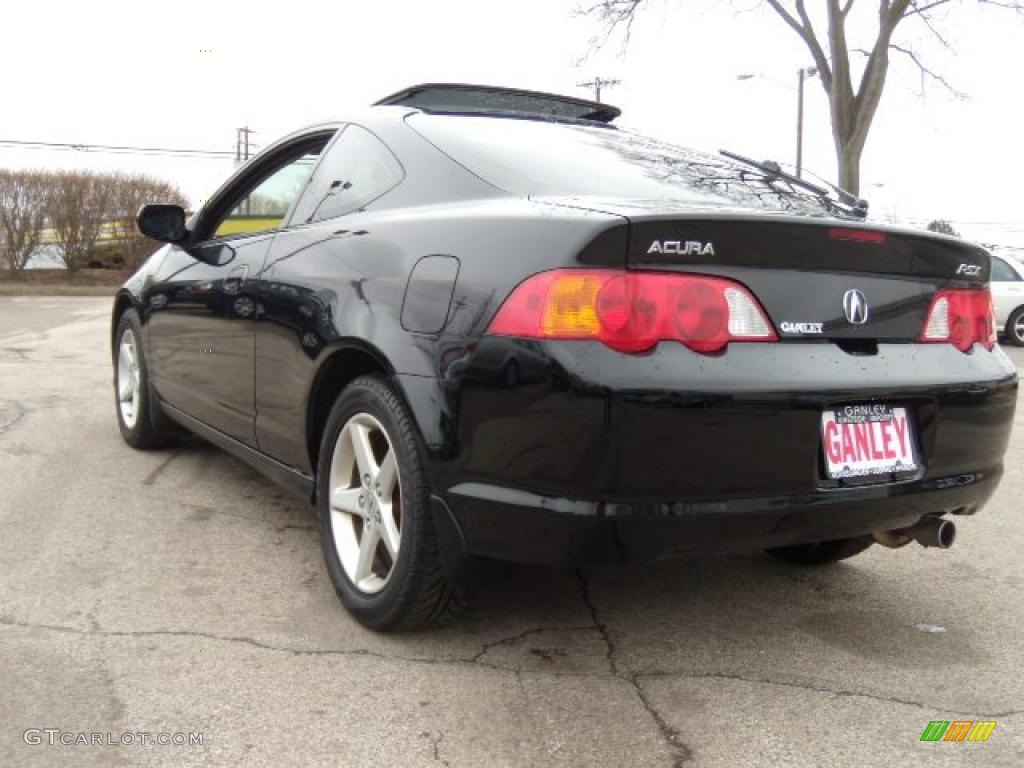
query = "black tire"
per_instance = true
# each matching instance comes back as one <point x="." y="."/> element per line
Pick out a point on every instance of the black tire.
<point x="822" y="552"/>
<point x="417" y="592"/>
<point x="1016" y="321"/>
<point x="150" y="428"/>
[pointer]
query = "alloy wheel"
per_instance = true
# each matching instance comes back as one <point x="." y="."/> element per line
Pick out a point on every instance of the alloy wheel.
<point x="365" y="503"/>
<point x="128" y="379"/>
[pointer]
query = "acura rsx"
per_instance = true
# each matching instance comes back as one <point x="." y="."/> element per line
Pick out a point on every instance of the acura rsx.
<point x="471" y="324"/>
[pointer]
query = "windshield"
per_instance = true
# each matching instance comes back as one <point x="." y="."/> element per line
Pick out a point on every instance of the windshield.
<point x="532" y="157"/>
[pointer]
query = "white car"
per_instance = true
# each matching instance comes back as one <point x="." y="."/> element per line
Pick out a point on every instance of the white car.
<point x="1008" y="296"/>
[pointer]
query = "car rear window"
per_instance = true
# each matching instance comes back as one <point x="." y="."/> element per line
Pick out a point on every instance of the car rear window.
<point x="536" y="157"/>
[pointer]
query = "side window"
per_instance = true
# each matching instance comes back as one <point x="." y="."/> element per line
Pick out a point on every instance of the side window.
<point x="357" y="169"/>
<point x="1002" y="272"/>
<point x="265" y="206"/>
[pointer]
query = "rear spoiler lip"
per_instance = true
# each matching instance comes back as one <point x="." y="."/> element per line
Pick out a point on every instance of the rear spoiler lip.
<point x="639" y="210"/>
<point x="599" y="112"/>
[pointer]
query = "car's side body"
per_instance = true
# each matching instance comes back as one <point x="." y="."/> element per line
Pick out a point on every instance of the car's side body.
<point x="552" y="451"/>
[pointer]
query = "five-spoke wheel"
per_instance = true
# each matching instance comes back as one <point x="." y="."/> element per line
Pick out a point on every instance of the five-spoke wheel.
<point x="366" y="503"/>
<point x="379" y="537"/>
<point x="143" y="424"/>
<point x="128" y="378"/>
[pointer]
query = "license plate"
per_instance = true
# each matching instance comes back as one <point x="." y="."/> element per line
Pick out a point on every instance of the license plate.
<point x="867" y="440"/>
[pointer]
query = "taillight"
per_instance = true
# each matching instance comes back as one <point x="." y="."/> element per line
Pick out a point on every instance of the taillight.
<point x="633" y="311"/>
<point x="961" y="318"/>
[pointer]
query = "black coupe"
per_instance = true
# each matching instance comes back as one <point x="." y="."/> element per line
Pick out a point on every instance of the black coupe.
<point x="474" y="323"/>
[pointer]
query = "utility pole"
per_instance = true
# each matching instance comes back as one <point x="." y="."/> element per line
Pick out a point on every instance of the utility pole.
<point x="597" y="84"/>
<point x="242" y="156"/>
<point x="242" y="144"/>
<point x="802" y="73"/>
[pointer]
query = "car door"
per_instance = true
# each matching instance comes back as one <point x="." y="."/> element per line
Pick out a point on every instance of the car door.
<point x="1007" y="290"/>
<point x="203" y="304"/>
<point x="324" y="260"/>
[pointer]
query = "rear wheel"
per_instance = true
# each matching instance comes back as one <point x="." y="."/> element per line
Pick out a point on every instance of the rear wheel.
<point x="379" y="541"/>
<point x="1015" y="327"/>
<point x="822" y="552"/>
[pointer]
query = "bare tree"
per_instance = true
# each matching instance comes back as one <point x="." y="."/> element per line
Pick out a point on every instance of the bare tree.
<point x="78" y="205"/>
<point x="128" y="194"/>
<point x="22" y="215"/>
<point x="824" y="32"/>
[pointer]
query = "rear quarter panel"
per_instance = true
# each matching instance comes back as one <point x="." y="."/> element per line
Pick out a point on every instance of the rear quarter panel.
<point x="342" y="283"/>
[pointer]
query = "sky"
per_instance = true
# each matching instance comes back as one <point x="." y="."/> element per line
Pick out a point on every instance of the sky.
<point x="188" y="74"/>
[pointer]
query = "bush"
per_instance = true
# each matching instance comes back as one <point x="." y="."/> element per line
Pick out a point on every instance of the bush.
<point x="91" y="215"/>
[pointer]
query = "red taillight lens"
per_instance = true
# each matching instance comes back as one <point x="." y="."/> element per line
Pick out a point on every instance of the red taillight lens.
<point x="633" y="311"/>
<point x="961" y="318"/>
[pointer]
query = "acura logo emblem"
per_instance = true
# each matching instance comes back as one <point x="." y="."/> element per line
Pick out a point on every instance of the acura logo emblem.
<point x="855" y="306"/>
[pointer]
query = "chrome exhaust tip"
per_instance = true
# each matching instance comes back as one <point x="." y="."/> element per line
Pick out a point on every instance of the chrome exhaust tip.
<point x="928" y="532"/>
<point x="933" y="532"/>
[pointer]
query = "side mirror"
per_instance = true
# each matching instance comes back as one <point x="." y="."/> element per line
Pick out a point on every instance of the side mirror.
<point x="165" y="223"/>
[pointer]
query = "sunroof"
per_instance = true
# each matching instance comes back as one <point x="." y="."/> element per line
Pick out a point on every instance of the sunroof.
<point x="449" y="97"/>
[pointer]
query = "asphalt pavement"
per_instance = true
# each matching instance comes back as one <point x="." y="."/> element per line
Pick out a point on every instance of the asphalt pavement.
<point x="178" y="592"/>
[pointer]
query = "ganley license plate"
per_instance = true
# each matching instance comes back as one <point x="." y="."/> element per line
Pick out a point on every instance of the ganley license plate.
<point x="865" y="440"/>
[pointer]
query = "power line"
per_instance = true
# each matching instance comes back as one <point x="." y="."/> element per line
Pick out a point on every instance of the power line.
<point x="114" y="149"/>
<point x="597" y="84"/>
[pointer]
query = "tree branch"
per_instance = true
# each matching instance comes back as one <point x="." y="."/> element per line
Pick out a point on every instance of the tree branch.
<point x="805" y="30"/>
<point x="614" y="14"/>
<point x="921" y="9"/>
<point x="928" y="23"/>
<point x="1012" y="5"/>
<point x="926" y="72"/>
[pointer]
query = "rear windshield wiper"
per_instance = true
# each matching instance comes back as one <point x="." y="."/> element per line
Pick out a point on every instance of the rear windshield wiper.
<point x="844" y="202"/>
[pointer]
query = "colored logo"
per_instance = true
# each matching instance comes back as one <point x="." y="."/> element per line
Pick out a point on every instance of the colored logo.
<point x="958" y="730"/>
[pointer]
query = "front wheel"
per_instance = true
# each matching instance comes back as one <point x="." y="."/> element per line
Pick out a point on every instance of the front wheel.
<point x="379" y="541"/>
<point x="142" y="426"/>
<point x="822" y="552"/>
<point x="1015" y="328"/>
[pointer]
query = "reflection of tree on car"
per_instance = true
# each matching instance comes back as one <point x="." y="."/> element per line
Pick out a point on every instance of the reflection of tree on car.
<point x="498" y="362"/>
<point x="304" y="311"/>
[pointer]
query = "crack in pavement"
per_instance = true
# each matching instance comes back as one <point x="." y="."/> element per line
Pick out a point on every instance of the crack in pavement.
<point x="476" y="659"/>
<point x="21" y="353"/>
<point x="681" y="751"/>
<point x="670" y="734"/>
<point x="838" y="692"/>
<point x="435" y="743"/>
<point x="11" y="412"/>
<point x="513" y="639"/>
<point x="152" y="476"/>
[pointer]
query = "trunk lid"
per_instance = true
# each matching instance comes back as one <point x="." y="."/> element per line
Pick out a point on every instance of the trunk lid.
<point x="802" y="269"/>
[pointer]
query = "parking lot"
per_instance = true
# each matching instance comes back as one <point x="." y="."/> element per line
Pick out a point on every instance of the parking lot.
<point x="179" y="592"/>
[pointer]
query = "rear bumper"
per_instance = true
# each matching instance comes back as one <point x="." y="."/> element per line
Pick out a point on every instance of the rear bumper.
<point x="509" y="524"/>
<point x="555" y="453"/>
